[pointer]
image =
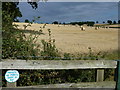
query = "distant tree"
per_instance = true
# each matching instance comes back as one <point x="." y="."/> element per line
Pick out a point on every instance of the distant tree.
<point x="109" y="21"/>
<point x="73" y="23"/>
<point x="27" y="21"/>
<point x="55" y="22"/>
<point x="114" y="22"/>
<point x="96" y="21"/>
<point x="64" y="23"/>
<point x="60" y="23"/>
<point x="90" y="23"/>
<point x="103" y="21"/>
<point x="118" y="21"/>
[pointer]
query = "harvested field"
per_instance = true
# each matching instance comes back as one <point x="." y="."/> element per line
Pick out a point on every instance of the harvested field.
<point x="71" y="39"/>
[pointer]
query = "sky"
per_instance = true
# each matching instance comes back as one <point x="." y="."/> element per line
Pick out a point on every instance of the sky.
<point x="70" y="11"/>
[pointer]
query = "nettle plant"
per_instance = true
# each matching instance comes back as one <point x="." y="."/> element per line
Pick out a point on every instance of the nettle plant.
<point x="49" y="52"/>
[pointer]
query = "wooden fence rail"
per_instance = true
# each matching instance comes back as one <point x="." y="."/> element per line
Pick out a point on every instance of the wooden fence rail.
<point x="99" y="65"/>
<point x="58" y="64"/>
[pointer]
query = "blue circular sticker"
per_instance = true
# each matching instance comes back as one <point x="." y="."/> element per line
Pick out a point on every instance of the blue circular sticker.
<point x="12" y="75"/>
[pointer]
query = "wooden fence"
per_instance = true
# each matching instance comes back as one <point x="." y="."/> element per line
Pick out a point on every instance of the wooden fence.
<point x="99" y="65"/>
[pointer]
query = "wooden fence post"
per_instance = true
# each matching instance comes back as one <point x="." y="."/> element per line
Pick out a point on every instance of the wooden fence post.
<point x="10" y="85"/>
<point x="118" y="76"/>
<point x="99" y="75"/>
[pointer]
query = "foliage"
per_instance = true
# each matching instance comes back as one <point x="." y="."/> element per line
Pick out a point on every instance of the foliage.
<point x="97" y="22"/>
<point x="55" y="22"/>
<point x="89" y="23"/>
<point x="118" y="21"/>
<point x="64" y="23"/>
<point x="18" y="45"/>
<point x="111" y="55"/>
<point x="49" y="51"/>
<point x="10" y="12"/>
<point x="108" y="55"/>
<point x="27" y="21"/>
<point x="109" y="21"/>
<point x="103" y="21"/>
<point x="40" y="77"/>
<point x="14" y="42"/>
<point x="114" y="22"/>
<point x="109" y="75"/>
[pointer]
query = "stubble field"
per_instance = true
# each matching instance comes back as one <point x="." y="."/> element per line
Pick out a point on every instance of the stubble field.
<point x="71" y="39"/>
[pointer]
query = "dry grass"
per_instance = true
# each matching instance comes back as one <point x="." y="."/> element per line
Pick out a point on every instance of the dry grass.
<point x="71" y="39"/>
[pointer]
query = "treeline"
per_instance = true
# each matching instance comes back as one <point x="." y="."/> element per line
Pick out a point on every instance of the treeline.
<point x="88" y="23"/>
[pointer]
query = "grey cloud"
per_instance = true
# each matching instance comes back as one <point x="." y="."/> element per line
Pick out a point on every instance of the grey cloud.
<point x="71" y="11"/>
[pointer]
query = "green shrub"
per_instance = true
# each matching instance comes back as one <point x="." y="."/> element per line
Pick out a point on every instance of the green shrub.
<point x="17" y="45"/>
